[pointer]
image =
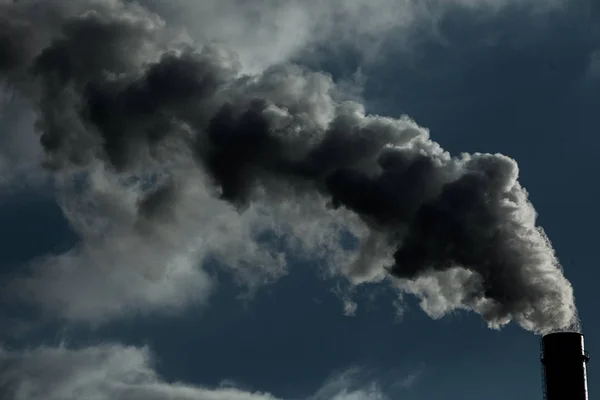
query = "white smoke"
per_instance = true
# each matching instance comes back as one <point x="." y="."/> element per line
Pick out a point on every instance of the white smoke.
<point x="112" y="371"/>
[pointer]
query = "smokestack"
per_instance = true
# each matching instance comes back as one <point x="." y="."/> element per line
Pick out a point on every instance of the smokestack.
<point x="564" y="362"/>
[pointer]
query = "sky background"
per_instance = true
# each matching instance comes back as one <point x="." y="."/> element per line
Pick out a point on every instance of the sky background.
<point x="517" y="77"/>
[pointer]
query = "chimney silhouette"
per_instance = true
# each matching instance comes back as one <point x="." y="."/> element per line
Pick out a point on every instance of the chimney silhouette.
<point x="564" y="362"/>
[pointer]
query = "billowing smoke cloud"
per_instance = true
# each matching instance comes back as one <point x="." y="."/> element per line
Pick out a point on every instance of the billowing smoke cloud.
<point x="115" y="86"/>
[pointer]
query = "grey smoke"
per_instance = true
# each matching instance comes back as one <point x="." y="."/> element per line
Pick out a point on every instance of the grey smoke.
<point x="114" y="84"/>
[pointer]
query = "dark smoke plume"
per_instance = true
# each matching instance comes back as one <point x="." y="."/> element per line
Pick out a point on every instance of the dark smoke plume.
<point x="113" y="84"/>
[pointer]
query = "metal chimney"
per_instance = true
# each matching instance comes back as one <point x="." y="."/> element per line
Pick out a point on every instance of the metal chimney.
<point x="564" y="362"/>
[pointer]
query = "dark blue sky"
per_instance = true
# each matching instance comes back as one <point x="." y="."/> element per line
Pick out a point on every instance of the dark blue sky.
<point x="510" y="83"/>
